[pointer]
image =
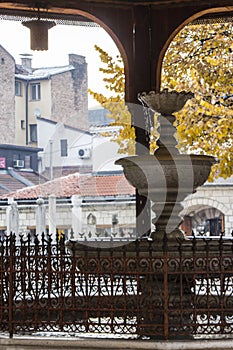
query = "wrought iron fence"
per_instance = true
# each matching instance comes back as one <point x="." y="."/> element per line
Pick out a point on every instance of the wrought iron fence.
<point x="161" y="290"/>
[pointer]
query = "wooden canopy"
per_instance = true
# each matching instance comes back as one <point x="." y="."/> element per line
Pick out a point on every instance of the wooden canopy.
<point x="142" y="29"/>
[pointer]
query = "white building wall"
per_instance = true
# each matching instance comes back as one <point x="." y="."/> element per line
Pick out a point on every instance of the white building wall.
<point x="49" y="138"/>
<point x="105" y="150"/>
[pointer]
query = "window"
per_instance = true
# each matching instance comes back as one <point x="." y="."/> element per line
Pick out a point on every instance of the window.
<point x="91" y="219"/>
<point x="15" y="157"/>
<point x="27" y="162"/>
<point x="22" y="123"/>
<point x="64" y="152"/>
<point x="33" y="133"/>
<point x="2" y="233"/>
<point x="35" y="91"/>
<point x="18" y="88"/>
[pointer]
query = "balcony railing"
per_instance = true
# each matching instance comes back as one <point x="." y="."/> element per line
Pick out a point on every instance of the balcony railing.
<point x="165" y="290"/>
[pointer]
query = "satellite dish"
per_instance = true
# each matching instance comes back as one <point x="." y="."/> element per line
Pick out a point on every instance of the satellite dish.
<point x="37" y="112"/>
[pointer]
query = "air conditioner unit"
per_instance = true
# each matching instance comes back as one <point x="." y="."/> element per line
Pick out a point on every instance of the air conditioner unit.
<point x="84" y="152"/>
<point x="18" y="163"/>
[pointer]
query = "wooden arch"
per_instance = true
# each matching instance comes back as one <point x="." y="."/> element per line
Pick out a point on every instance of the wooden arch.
<point x="177" y="30"/>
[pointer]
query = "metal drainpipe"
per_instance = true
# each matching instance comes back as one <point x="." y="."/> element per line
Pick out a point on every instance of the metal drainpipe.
<point x="26" y="107"/>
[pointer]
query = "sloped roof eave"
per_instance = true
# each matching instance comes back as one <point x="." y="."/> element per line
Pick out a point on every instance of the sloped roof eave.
<point x="100" y="200"/>
<point x="30" y="78"/>
<point x="46" y="120"/>
<point x="48" y="73"/>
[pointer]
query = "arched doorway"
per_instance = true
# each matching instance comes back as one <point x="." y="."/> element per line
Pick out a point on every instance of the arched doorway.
<point x="203" y="222"/>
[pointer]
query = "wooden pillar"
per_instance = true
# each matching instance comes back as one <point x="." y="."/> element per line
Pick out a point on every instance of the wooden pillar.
<point x="140" y="75"/>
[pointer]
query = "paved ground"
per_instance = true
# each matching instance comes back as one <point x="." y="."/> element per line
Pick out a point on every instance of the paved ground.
<point x="94" y="344"/>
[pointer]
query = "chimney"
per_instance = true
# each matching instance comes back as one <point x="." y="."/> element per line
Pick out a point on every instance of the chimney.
<point x="26" y="61"/>
<point x="76" y="60"/>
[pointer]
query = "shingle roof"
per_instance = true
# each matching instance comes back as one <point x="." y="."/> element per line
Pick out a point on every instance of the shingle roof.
<point x="10" y="183"/>
<point x="83" y="185"/>
<point x="49" y="121"/>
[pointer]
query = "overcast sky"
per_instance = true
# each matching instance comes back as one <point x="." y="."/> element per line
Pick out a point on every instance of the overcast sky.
<point x="63" y="39"/>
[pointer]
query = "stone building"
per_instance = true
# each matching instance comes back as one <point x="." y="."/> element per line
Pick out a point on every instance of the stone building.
<point x="210" y="210"/>
<point x="57" y="93"/>
<point x="7" y="97"/>
<point x="69" y="97"/>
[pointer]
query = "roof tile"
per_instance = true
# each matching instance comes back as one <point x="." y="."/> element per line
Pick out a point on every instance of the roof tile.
<point x="83" y="185"/>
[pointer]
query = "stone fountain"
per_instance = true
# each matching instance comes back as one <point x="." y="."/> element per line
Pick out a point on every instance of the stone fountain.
<point x="166" y="177"/>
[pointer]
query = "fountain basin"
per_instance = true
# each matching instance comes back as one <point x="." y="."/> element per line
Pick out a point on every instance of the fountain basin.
<point x="155" y="174"/>
<point x="167" y="180"/>
<point x="165" y="102"/>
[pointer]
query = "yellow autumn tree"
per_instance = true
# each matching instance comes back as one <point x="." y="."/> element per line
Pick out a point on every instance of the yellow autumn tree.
<point x="199" y="59"/>
<point x="113" y="72"/>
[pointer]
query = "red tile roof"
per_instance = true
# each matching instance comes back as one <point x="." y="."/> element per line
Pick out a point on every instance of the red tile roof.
<point x="83" y="185"/>
<point x="105" y="185"/>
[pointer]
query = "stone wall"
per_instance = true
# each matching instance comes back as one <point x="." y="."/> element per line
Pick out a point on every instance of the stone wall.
<point x="123" y="214"/>
<point x="104" y="215"/>
<point x="69" y="94"/>
<point x="212" y="196"/>
<point x="7" y="96"/>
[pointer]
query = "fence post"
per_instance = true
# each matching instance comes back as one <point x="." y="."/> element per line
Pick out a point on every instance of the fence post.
<point x="40" y="217"/>
<point x="52" y="217"/>
<point x="165" y="286"/>
<point x="12" y="217"/>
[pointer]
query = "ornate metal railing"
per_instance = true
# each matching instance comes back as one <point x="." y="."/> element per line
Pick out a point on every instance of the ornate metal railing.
<point x="161" y="290"/>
